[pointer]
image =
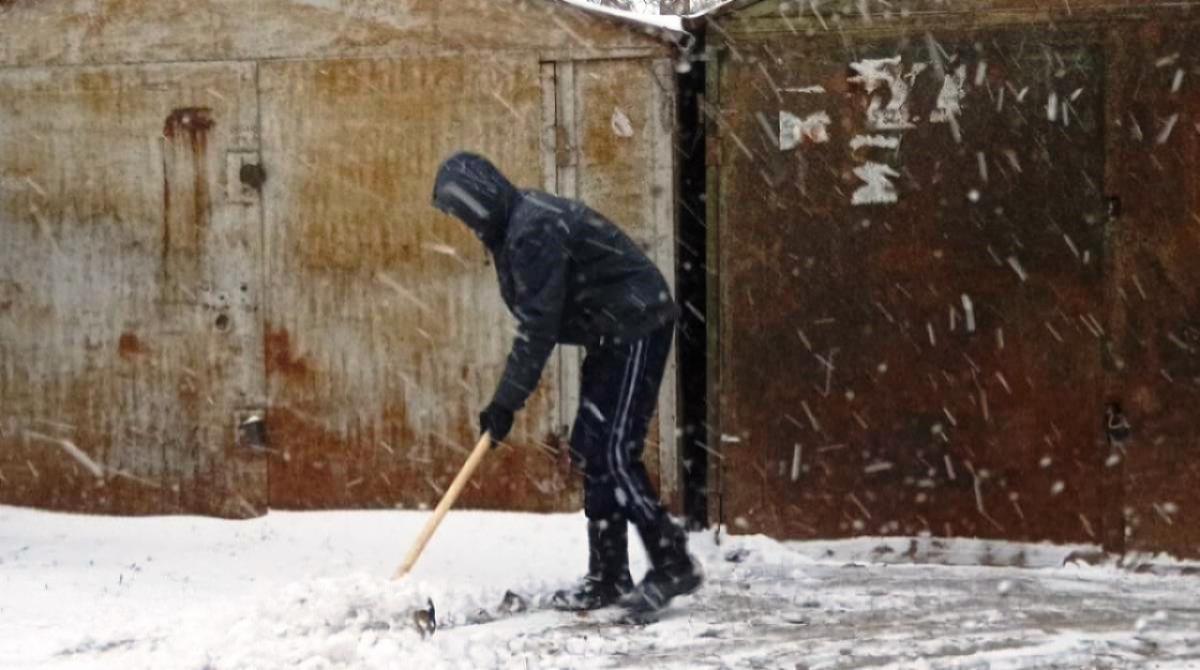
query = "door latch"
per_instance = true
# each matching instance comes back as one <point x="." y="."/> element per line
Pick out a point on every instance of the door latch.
<point x="252" y="430"/>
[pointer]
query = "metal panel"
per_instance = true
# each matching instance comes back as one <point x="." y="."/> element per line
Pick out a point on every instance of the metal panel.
<point x="831" y="16"/>
<point x="1156" y="309"/>
<point x="121" y="31"/>
<point x="624" y="113"/>
<point x="910" y="247"/>
<point x="385" y="330"/>
<point x="129" y="333"/>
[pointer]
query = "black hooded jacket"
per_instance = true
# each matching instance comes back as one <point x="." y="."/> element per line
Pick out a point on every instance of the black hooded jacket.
<point x="567" y="274"/>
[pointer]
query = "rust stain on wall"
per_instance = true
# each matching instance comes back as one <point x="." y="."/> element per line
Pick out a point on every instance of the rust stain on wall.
<point x="195" y="122"/>
<point x="281" y="359"/>
<point x="129" y="346"/>
<point x="303" y="462"/>
<point x="9" y="291"/>
<point x="187" y="198"/>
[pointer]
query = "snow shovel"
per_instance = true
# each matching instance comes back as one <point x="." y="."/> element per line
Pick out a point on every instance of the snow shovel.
<point x="444" y="506"/>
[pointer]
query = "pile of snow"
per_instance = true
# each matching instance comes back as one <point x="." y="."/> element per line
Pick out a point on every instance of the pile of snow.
<point x="311" y="590"/>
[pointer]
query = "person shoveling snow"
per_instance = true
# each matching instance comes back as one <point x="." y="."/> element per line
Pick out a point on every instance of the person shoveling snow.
<point x="570" y="276"/>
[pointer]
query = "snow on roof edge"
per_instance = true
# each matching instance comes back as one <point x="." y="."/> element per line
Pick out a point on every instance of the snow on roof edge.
<point x="669" y="22"/>
<point x="721" y="7"/>
<point x="682" y="24"/>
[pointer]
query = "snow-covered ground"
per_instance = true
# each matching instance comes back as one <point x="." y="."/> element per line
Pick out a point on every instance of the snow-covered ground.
<point x="311" y="590"/>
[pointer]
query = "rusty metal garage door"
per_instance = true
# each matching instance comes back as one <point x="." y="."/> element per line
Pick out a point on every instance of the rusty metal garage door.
<point x="369" y="331"/>
<point x="911" y="250"/>
<point x="613" y="148"/>
<point x="1156" y="283"/>
<point x="129" y="326"/>
<point x="385" y="332"/>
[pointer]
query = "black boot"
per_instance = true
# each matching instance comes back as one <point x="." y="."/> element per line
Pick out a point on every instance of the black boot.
<point x="673" y="572"/>
<point x="608" y="577"/>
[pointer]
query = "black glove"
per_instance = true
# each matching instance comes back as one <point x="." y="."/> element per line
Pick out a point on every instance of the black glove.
<point x="496" y="420"/>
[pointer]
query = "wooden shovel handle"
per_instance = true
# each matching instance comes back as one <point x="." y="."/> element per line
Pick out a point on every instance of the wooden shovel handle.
<point x="444" y="506"/>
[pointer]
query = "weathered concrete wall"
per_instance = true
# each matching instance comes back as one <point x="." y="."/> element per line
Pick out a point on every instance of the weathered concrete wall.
<point x="189" y="244"/>
<point x="940" y="265"/>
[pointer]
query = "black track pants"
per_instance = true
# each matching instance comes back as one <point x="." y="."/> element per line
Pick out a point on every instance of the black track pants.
<point x="618" y="395"/>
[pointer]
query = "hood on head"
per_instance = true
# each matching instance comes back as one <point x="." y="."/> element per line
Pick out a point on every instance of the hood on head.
<point x="474" y="191"/>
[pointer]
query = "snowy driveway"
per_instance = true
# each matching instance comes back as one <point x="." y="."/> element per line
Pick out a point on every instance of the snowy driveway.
<point x="310" y="590"/>
<point x="919" y="617"/>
